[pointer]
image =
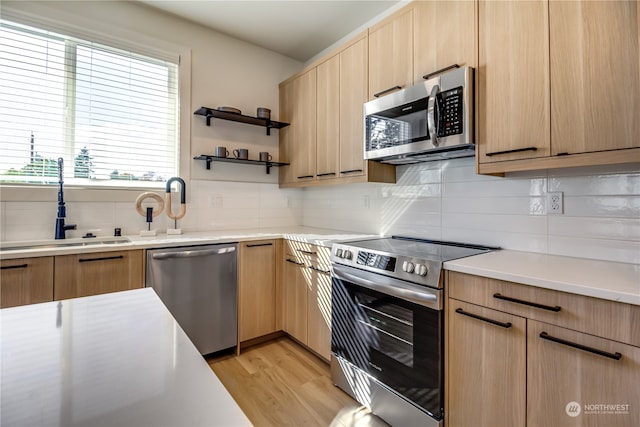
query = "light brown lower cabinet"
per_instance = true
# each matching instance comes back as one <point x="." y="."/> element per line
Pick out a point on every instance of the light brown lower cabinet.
<point x="26" y="281"/>
<point x="486" y="367"/>
<point x="82" y="275"/>
<point x="524" y="356"/>
<point x="257" y="289"/>
<point x="307" y="296"/>
<point x="576" y="379"/>
<point x="295" y="294"/>
<point x="319" y="312"/>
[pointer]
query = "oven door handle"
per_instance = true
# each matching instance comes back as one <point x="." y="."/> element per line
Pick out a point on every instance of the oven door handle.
<point x="387" y="285"/>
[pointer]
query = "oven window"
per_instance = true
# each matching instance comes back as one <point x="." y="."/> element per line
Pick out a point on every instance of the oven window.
<point x="388" y="326"/>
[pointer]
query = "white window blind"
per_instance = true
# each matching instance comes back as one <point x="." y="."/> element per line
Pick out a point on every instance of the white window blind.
<point x="112" y="115"/>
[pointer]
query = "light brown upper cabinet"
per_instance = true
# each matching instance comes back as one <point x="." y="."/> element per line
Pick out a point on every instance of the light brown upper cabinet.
<point x="558" y="84"/>
<point x="595" y="76"/>
<point x="334" y="154"/>
<point x="298" y="142"/>
<point x="444" y="34"/>
<point x="391" y="53"/>
<point x="328" y="118"/>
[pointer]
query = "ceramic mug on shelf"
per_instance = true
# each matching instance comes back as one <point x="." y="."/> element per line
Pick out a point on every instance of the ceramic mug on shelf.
<point x="265" y="156"/>
<point x="222" y="152"/>
<point x="241" y="153"/>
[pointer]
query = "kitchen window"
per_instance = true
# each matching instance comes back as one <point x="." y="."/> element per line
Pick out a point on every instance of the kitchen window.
<point x="111" y="114"/>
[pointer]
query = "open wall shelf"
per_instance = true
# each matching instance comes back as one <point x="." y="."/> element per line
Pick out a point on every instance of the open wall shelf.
<point x="209" y="113"/>
<point x="209" y="159"/>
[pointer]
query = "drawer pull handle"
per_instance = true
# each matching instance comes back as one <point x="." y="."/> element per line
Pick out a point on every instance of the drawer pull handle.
<point x="351" y="171"/>
<point x="326" y="174"/>
<point x="484" y="319"/>
<point x="386" y="91"/>
<point x="255" y="245"/>
<point x="307" y="252"/>
<point x="319" y="270"/>
<point x="7" y="267"/>
<point x="614" y="356"/>
<point x="305" y="176"/>
<point x="517" y="150"/>
<point x="295" y="262"/>
<point x="106" y="258"/>
<point x="556" y="309"/>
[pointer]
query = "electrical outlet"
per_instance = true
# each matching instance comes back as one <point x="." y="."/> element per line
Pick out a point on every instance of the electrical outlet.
<point x="215" y="201"/>
<point x="555" y="203"/>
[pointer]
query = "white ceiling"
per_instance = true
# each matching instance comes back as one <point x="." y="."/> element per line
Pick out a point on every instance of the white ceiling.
<point x="298" y="29"/>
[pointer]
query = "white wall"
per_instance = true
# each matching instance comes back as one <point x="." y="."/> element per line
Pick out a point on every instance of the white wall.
<point x="448" y="201"/>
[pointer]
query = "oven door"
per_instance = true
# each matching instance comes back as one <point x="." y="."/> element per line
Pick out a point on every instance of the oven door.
<point x="392" y="330"/>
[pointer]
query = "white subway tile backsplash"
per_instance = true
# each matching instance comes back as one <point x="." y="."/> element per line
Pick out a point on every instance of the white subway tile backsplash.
<point x="447" y="200"/>
<point x="627" y="229"/>
<point x="602" y="206"/>
<point x="597" y="185"/>
<point x="609" y="250"/>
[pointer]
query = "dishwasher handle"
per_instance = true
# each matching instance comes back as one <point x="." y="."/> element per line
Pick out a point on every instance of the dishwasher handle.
<point x="193" y="253"/>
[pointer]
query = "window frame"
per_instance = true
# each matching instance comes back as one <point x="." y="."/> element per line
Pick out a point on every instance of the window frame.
<point x="143" y="45"/>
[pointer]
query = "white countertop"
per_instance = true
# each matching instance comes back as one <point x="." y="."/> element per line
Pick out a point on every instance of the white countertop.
<point x="600" y="279"/>
<point x="117" y="359"/>
<point x="316" y="236"/>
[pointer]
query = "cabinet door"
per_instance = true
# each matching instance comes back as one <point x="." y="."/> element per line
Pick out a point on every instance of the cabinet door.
<point x="97" y="273"/>
<point x="353" y="94"/>
<point x="303" y="125"/>
<point x="444" y="34"/>
<point x="569" y="386"/>
<point x="513" y="81"/>
<point x="257" y="289"/>
<point x="319" y="314"/>
<point x="328" y="118"/>
<point x="391" y="53"/>
<point x="286" y="134"/>
<point x="295" y="289"/>
<point x="595" y="75"/>
<point x="486" y="367"/>
<point x="26" y="281"/>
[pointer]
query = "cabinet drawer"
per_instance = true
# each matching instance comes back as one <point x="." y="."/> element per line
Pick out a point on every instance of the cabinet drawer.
<point x="604" y="318"/>
<point x="97" y="273"/>
<point x="26" y="281"/>
<point x="309" y="254"/>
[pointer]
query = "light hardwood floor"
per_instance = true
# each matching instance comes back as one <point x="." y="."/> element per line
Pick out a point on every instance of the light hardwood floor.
<point x="279" y="383"/>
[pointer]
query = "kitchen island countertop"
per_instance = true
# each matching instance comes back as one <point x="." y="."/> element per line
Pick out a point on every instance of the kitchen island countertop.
<point x="117" y="359"/>
<point x="594" y="278"/>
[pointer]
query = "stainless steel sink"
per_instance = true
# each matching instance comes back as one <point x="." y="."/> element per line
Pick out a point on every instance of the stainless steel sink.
<point x="53" y="244"/>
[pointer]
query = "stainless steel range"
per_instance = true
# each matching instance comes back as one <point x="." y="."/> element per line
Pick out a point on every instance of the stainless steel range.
<point x="387" y="337"/>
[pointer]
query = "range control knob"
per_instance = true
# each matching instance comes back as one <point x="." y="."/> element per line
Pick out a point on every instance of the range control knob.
<point x="408" y="266"/>
<point x="339" y="253"/>
<point x="347" y="254"/>
<point x="421" y="269"/>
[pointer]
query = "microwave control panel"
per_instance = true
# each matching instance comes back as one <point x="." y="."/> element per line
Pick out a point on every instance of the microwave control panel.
<point x="450" y="108"/>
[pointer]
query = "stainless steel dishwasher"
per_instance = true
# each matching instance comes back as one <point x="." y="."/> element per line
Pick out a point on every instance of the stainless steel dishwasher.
<point x="199" y="286"/>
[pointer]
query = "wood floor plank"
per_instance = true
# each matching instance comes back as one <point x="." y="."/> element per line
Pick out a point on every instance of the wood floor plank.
<point x="280" y="383"/>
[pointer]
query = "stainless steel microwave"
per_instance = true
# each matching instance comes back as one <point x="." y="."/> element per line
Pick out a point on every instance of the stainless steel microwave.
<point x="432" y="120"/>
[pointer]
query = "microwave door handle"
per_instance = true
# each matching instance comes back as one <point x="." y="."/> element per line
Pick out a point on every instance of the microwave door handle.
<point x="431" y="115"/>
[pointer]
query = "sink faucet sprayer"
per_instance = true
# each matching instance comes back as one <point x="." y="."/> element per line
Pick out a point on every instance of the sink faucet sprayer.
<point x="61" y="228"/>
